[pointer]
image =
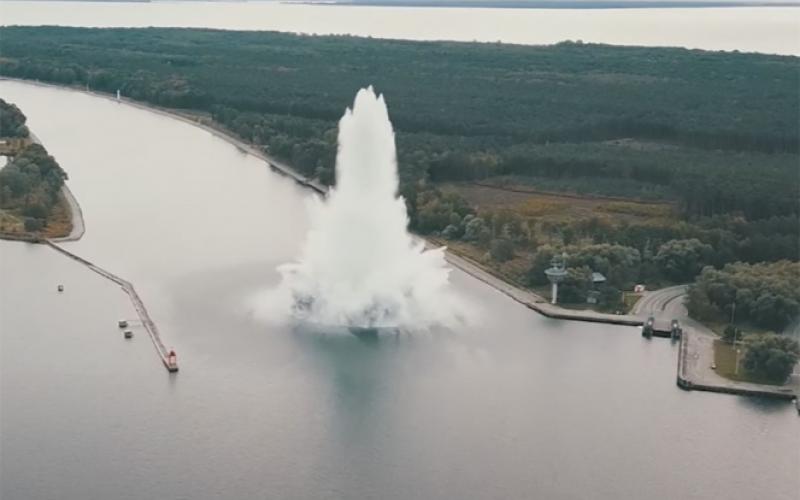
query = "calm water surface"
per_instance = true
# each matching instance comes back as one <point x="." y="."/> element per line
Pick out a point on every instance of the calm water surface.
<point x="773" y="30"/>
<point x="515" y="406"/>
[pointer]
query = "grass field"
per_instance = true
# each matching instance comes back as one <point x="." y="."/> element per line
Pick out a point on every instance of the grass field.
<point x="10" y="223"/>
<point x="543" y="205"/>
<point x="725" y="359"/>
<point x="59" y="222"/>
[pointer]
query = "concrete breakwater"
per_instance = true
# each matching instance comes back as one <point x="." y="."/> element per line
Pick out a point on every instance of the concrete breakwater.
<point x="695" y="373"/>
<point x="147" y="322"/>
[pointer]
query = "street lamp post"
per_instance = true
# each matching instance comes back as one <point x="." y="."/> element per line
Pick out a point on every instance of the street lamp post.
<point x="735" y="333"/>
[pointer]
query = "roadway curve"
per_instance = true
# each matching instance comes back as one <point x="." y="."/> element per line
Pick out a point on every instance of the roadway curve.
<point x="667" y="302"/>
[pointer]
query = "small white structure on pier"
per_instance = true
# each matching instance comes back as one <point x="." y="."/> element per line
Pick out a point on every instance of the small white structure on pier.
<point x="556" y="274"/>
<point x="119" y="96"/>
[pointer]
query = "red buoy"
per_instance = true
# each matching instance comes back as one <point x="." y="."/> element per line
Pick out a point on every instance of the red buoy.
<point x="172" y="361"/>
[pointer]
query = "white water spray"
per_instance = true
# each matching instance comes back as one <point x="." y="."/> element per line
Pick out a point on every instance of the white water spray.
<point x="359" y="266"/>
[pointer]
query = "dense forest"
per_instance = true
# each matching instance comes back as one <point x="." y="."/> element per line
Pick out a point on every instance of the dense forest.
<point x="466" y="111"/>
<point x="712" y="140"/>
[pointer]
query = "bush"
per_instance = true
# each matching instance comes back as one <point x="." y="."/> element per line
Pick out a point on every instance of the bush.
<point x="576" y="285"/>
<point x="501" y="250"/>
<point x="33" y="225"/>
<point x="36" y="211"/>
<point x="540" y="261"/>
<point x="610" y="295"/>
<point x="731" y="334"/>
<point x="451" y="232"/>
<point x="772" y="357"/>
<point x="681" y="260"/>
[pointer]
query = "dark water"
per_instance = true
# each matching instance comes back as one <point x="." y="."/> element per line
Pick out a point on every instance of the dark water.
<point x="515" y="406"/>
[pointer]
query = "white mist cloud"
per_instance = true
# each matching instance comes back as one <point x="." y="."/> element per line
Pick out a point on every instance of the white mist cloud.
<point x="359" y="265"/>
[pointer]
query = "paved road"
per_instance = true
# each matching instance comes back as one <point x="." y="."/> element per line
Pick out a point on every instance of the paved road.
<point x="667" y="302"/>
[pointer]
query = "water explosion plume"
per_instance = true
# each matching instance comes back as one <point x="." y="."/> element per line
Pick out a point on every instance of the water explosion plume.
<point x="359" y="265"/>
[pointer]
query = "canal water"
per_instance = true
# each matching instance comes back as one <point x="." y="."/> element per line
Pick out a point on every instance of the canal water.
<point x="772" y="30"/>
<point x="513" y="406"/>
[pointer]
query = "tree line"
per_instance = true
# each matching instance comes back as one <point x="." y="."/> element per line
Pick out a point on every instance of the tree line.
<point x="716" y="131"/>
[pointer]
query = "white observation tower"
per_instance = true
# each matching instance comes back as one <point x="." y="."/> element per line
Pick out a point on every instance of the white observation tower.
<point x="556" y="274"/>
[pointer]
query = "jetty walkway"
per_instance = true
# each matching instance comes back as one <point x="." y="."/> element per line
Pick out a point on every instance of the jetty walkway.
<point x="167" y="357"/>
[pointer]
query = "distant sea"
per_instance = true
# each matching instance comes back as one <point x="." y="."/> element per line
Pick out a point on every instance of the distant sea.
<point x="772" y="29"/>
<point x="553" y="4"/>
